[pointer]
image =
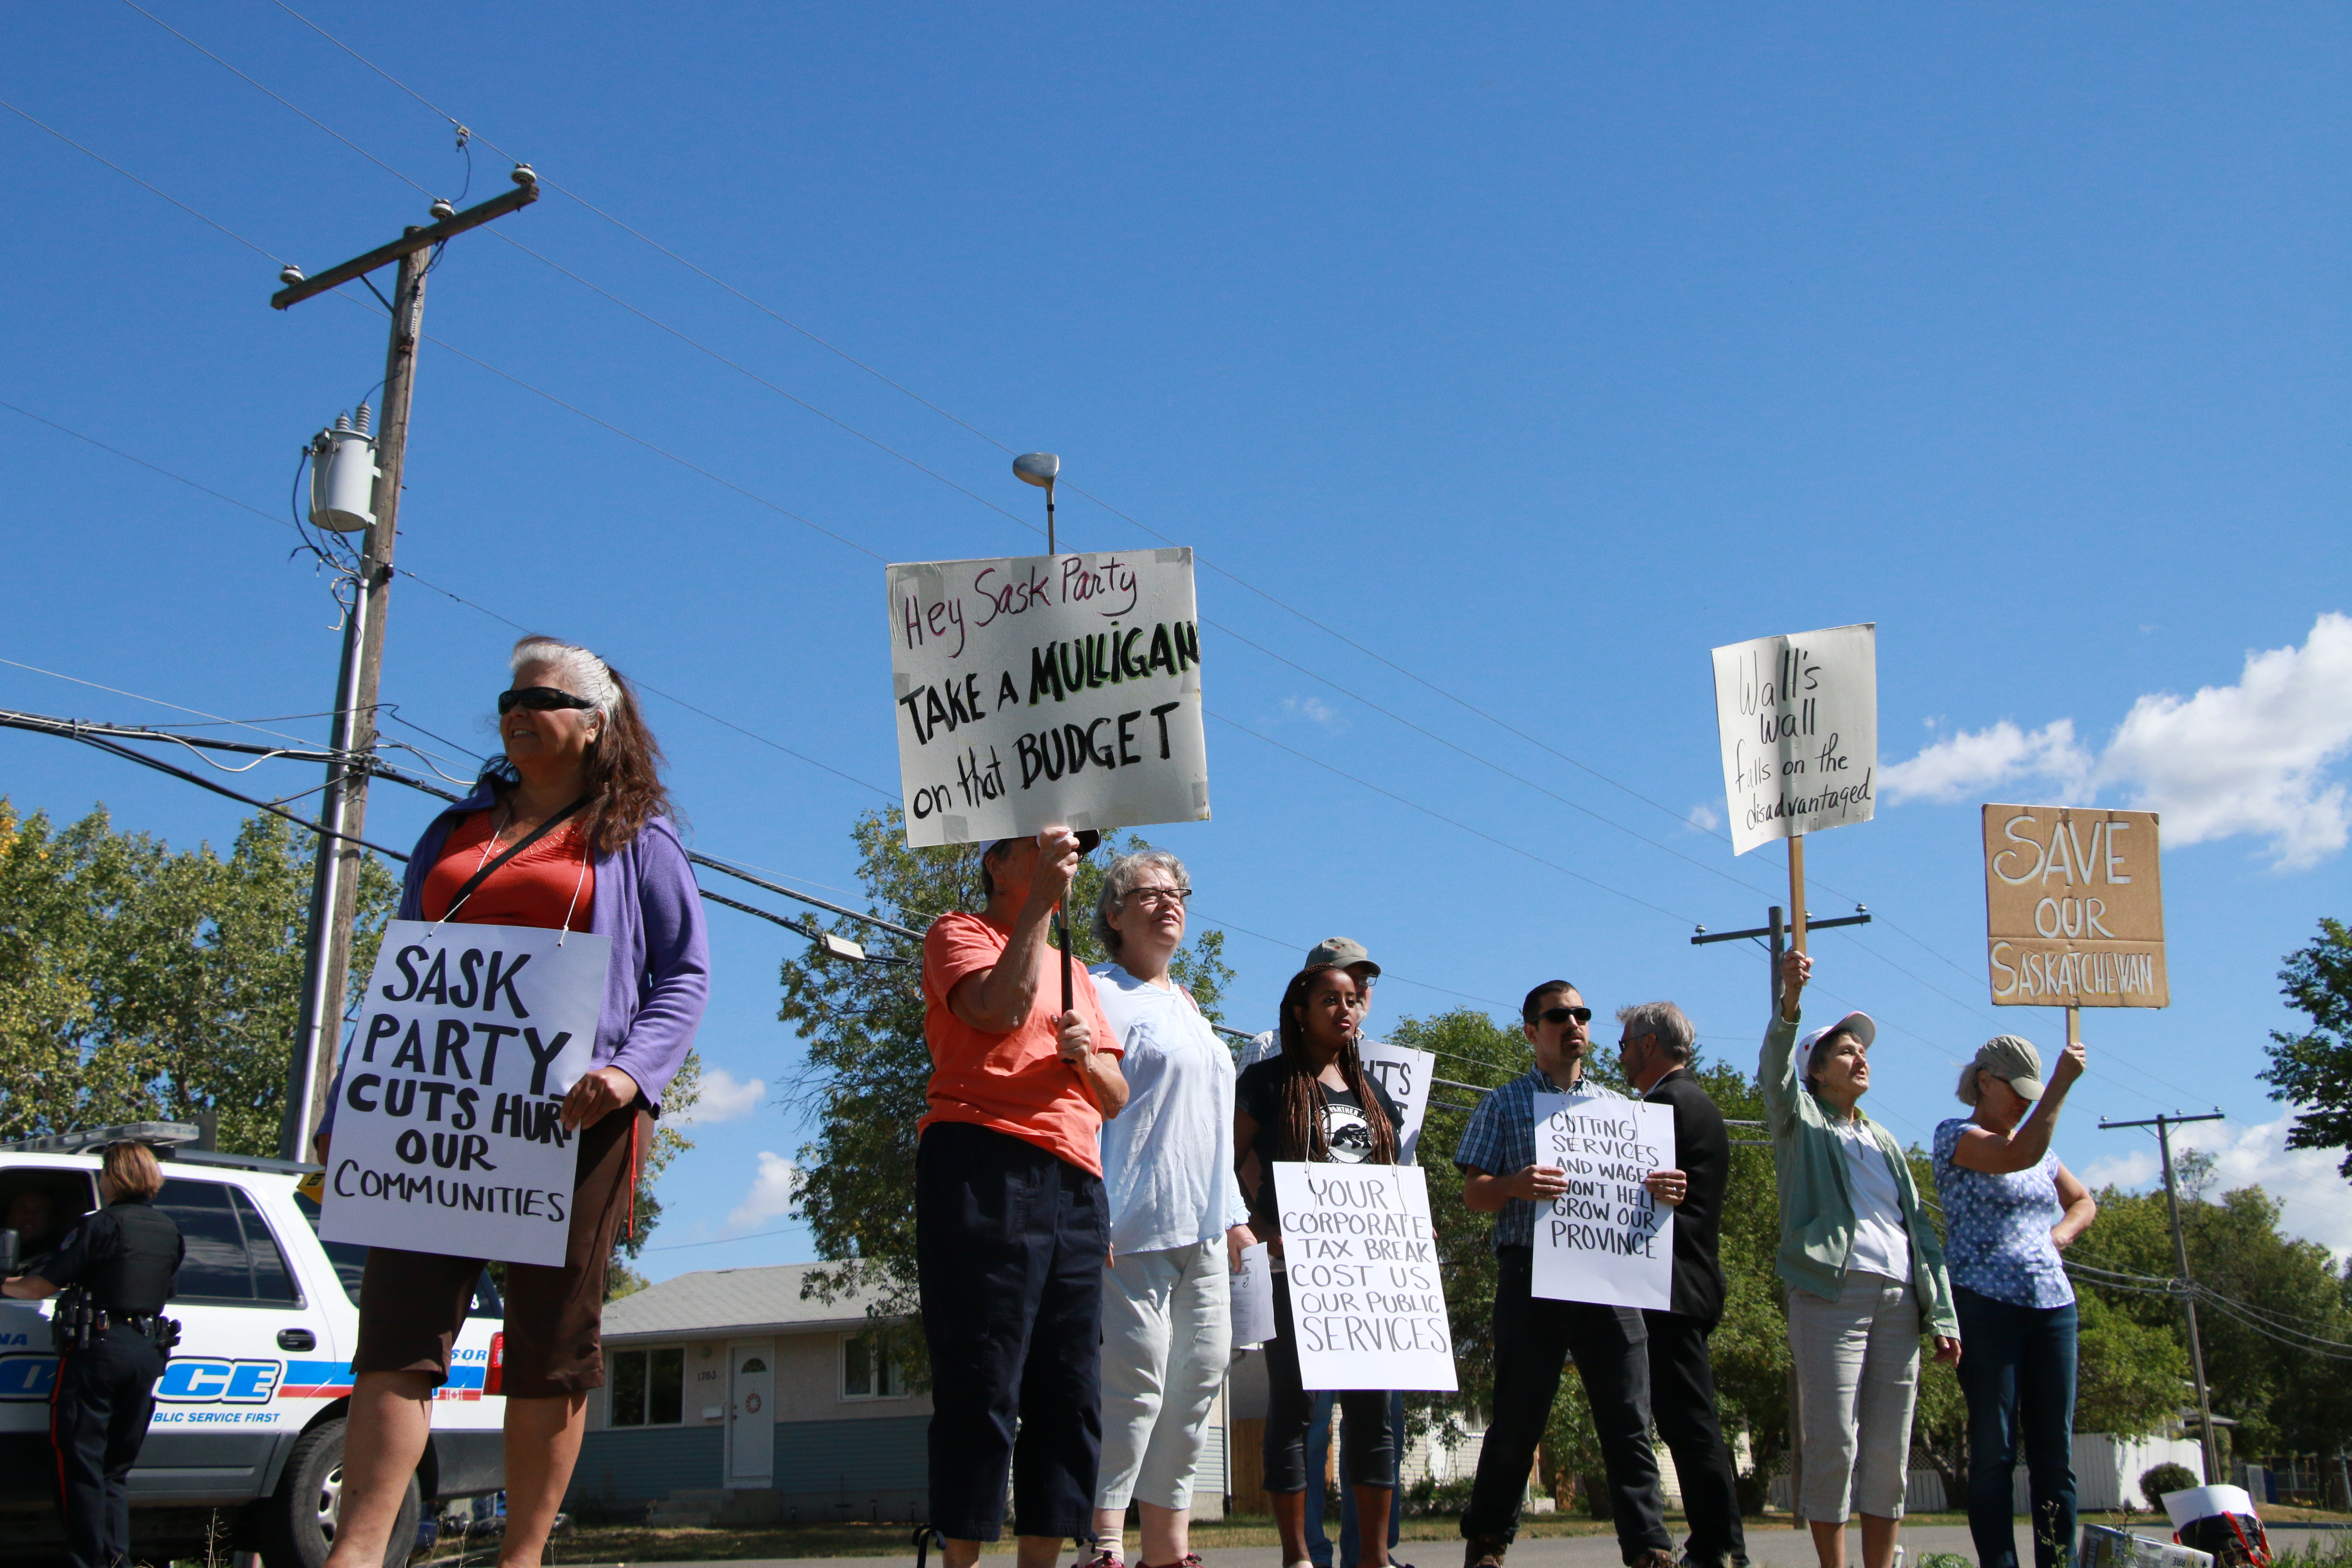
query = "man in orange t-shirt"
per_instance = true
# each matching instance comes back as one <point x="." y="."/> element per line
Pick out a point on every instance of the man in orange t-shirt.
<point x="1011" y="1226"/>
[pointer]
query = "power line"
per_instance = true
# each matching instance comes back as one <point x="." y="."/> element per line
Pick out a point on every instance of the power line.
<point x="142" y="183"/>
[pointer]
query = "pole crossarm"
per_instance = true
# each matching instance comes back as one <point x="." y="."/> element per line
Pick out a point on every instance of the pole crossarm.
<point x="2213" y="1115"/>
<point x="526" y="191"/>
<point x="1810" y="924"/>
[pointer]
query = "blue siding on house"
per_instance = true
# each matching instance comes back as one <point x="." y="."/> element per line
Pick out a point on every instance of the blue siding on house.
<point x="629" y="1464"/>
<point x="881" y="1452"/>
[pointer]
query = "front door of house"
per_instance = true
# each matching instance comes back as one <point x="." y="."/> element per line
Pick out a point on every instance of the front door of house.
<point x="750" y="1413"/>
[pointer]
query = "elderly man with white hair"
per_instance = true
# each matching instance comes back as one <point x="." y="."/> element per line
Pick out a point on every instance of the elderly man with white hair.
<point x="1178" y="1223"/>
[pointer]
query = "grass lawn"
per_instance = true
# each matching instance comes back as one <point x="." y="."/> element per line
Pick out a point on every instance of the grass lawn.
<point x="643" y="1544"/>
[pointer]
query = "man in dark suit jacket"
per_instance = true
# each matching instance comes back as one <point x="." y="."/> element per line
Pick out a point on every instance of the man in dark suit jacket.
<point x="1655" y="1052"/>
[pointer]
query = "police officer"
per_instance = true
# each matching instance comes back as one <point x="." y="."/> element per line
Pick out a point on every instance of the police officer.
<point x="111" y="1342"/>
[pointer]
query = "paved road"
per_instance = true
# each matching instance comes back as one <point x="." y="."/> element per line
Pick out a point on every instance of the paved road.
<point x="1772" y="1548"/>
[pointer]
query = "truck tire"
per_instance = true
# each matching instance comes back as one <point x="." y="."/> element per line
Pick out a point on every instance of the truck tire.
<point x="298" y="1521"/>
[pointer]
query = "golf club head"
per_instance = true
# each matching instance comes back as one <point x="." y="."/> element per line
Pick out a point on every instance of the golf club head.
<point x="1037" y="469"/>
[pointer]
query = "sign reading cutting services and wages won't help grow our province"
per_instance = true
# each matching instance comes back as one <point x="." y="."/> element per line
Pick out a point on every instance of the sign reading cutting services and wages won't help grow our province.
<point x="1361" y="1258"/>
<point x="447" y="1138"/>
<point x="1606" y="1238"/>
<point x="2074" y="908"/>
<point x="1797" y="719"/>
<point x="1043" y="690"/>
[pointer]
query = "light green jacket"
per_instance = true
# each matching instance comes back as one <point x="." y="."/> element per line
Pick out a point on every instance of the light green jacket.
<point x="1816" y="1202"/>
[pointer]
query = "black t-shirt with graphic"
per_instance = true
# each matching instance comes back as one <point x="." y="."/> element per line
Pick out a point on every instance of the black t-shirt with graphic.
<point x="1259" y="1095"/>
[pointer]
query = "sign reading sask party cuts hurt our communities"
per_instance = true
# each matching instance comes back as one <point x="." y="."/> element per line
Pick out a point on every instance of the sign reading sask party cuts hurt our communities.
<point x="446" y="1136"/>
<point x="1047" y="689"/>
<point x="2074" y="908"/>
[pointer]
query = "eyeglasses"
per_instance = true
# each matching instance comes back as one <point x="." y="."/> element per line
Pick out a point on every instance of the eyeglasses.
<point x="1562" y="1015"/>
<point x="1160" y="897"/>
<point x="538" y="699"/>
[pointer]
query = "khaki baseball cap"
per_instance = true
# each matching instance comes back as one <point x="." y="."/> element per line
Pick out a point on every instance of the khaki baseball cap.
<point x="1340" y="952"/>
<point x="2014" y="1061"/>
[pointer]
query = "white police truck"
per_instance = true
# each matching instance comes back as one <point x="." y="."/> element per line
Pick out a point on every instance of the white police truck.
<point x="245" y="1452"/>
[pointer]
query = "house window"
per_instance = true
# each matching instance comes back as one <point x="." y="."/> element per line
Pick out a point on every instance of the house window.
<point x="646" y="1388"/>
<point x="868" y="1370"/>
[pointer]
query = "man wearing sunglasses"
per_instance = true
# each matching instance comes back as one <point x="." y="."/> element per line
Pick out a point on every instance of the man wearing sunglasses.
<point x="1533" y="1335"/>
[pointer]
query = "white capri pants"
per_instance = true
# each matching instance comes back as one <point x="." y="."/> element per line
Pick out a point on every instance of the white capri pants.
<point x="1857" y="1362"/>
<point x="1167" y="1331"/>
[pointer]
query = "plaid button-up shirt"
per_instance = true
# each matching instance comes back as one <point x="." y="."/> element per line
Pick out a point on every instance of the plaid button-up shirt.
<point x="1501" y="1141"/>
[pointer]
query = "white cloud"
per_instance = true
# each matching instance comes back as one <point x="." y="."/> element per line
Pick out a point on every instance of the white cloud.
<point x="2316" y="1204"/>
<point x="1313" y="710"/>
<point x="725" y="1098"/>
<point x="774" y="1191"/>
<point x="1705" y="817"/>
<point x="2245" y="760"/>
<point x="1965" y="764"/>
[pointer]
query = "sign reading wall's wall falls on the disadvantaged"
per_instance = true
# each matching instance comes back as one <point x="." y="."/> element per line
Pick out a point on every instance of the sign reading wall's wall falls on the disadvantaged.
<point x="1797" y="718"/>
<point x="1043" y="690"/>
<point x="2074" y="908"/>
<point x="448" y="1136"/>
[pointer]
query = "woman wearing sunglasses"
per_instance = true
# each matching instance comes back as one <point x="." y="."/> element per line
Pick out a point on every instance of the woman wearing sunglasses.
<point x="571" y="823"/>
<point x="1866" y="1276"/>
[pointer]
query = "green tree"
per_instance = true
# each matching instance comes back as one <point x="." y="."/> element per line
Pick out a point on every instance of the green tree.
<point x="2279" y="1296"/>
<point x="869" y="1065"/>
<point x="2314" y="1068"/>
<point x="138" y="984"/>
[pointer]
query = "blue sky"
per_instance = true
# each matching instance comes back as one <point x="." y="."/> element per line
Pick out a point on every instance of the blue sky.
<point x="1536" y="350"/>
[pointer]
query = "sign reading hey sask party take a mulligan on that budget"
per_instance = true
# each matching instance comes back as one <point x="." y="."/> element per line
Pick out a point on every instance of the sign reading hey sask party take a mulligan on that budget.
<point x="1046" y="689"/>
<point x="2074" y="908"/>
<point x="447" y="1138"/>
<point x="1797" y="717"/>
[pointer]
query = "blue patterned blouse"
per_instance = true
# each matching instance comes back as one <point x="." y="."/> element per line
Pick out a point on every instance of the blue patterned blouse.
<point x="1997" y="1228"/>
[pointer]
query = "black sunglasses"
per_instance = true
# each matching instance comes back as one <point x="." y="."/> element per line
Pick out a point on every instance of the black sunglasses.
<point x="1562" y="1015"/>
<point x="538" y="699"/>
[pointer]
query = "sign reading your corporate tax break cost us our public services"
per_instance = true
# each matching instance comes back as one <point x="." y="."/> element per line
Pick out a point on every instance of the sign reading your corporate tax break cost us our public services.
<point x="1047" y="689"/>
<point x="2074" y="908"/>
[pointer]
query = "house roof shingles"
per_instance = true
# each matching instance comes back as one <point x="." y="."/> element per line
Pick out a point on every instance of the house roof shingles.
<point x="729" y="1301"/>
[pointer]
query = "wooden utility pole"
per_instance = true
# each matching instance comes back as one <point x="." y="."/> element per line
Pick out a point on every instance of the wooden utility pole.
<point x="2185" y="1284"/>
<point x="335" y="879"/>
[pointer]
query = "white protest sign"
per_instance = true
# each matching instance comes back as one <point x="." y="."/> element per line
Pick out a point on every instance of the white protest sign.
<point x="1605" y="1239"/>
<point x="447" y="1138"/>
<point x="1046" y="689"/>
<point x="1362" y="1259"/>
<point x="1253" y="1298"/>
<point x="1797" y="719"/>
<point x="1405" y="1073"/>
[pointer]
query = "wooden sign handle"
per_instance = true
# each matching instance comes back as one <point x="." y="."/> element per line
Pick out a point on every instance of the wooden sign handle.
<point x="2074" y="1028"/>
<point x="1796" y="892"/>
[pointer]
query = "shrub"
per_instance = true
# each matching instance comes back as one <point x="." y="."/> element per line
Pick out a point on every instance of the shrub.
<point x="2162" y="1478"/>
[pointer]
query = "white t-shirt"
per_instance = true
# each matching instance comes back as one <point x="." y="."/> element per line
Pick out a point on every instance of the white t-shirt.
<point x="1881" y="1244"/>
<point x="1168" y="1158"/>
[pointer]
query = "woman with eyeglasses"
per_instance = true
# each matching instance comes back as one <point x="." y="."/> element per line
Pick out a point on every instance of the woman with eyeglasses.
<point x="1315" y="1102"/>
<point x="573" y="825"/>
<point x="1864" y="1272"/>
<point x="1177" y="1221"/>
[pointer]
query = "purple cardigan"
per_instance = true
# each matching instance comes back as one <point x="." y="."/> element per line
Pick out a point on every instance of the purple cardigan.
<point x="660" y="979"/>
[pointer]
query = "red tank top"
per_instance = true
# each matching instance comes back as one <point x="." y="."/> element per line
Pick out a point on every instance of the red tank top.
<point x="537" y="888"/>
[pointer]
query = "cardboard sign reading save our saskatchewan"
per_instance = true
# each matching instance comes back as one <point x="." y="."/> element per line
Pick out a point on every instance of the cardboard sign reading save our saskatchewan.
<point x="1797" y="719"/>
<point x="1047" y="689"/>
<point x="2074" y="908"/>
<point x="1361" y="1259"/>
<point x="447" y="1138"/>
<point x="1605" y="1239"/>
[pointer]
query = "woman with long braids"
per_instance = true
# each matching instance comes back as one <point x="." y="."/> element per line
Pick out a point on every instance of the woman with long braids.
<point x="1315" y="1102"/>
<point x="571" y="823"/>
